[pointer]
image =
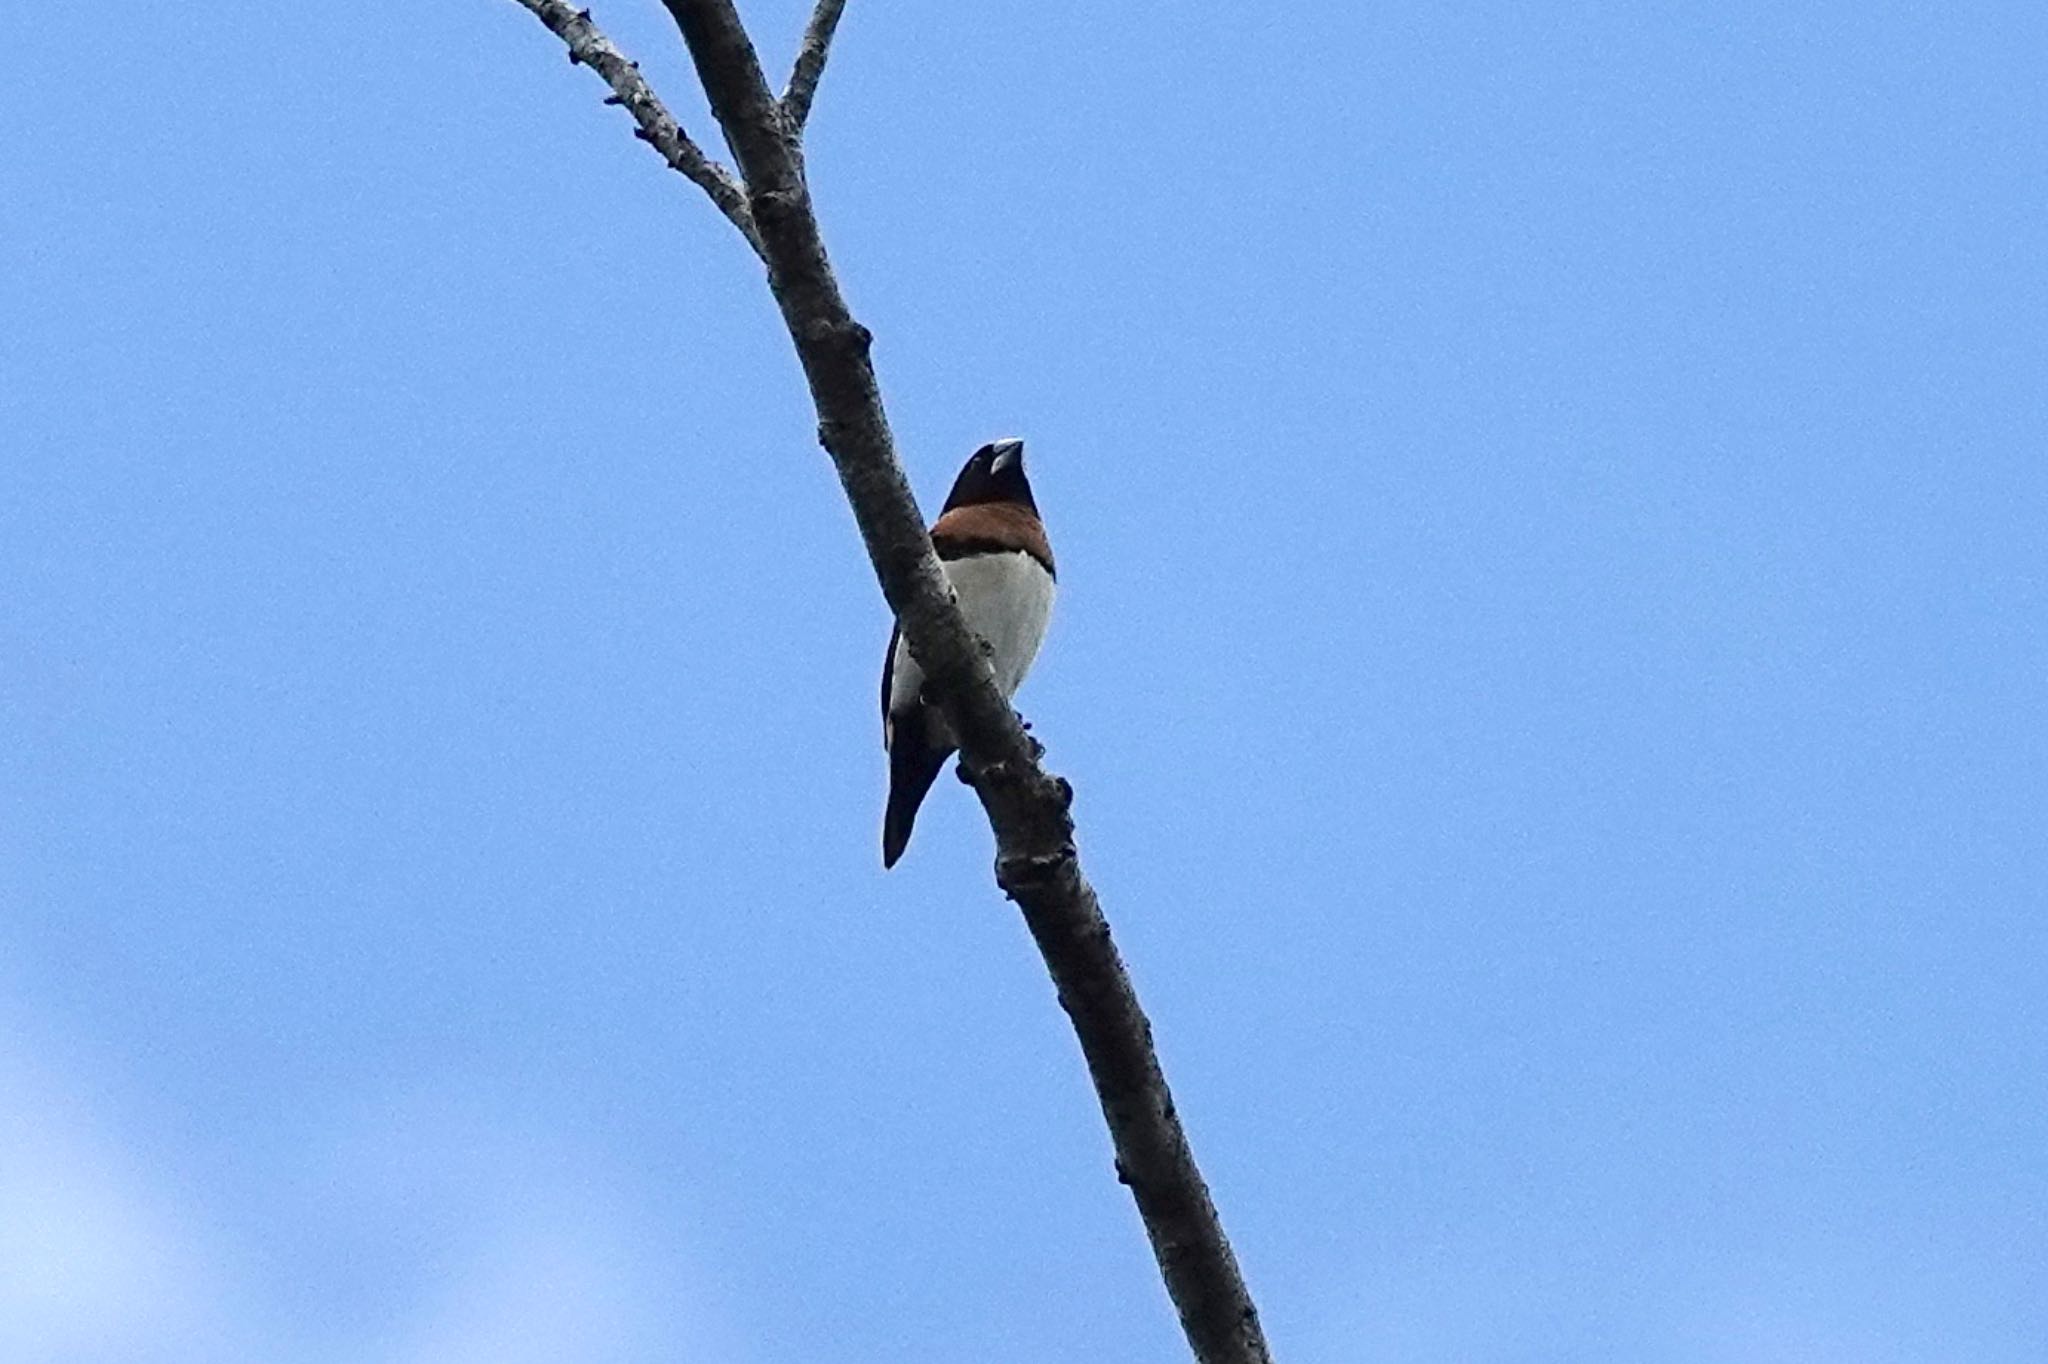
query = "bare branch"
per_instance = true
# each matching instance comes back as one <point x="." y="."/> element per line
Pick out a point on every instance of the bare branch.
<point x="589" y="46"/>
<point x="810" y="62"/>
<point x="1036" y="863"/>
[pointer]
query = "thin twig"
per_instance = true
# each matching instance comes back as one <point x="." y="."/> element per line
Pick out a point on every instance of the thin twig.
<point x="810" y="62"/>
<point x="1036" y="864"/>
<point x="589" y="46"/>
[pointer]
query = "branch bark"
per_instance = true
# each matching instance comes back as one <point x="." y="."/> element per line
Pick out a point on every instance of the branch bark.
<point x="810" y="62"/>
<point x="588" y="46"/>
<point x="1028" y="808"/>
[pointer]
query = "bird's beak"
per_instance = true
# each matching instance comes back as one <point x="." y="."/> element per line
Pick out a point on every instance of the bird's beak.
<point x="1007" y="454"/>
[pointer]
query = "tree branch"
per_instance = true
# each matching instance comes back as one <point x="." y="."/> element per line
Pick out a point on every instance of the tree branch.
<point x="589" y="46"/>
<point x="1036" y="863"/>
<point x="810" y="62"/>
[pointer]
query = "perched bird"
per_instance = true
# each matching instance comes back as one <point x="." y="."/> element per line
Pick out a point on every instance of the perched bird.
<point x="994" y="550"/>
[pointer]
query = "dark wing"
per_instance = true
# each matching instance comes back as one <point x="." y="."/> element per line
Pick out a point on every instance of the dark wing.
<point x="888" y="677"/>
<point x="915" y="757"/>
<point x="914" y="763"/>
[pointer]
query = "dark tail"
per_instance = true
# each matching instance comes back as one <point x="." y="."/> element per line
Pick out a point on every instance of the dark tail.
<point x="914" y="764"/>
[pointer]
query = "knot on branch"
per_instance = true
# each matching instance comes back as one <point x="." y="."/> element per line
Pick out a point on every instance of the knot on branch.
<point x="974" y="776"/>
<point x="1023" y="875"/>
<point x="1000" y="773"/>
<point x="1052" y="796"/>
<point x="848" y="336"/>
<point x="777" y="203"/>
<point x="831" y="433"/>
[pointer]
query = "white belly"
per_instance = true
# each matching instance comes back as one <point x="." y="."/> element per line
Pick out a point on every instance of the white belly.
<point x="1007" y="599"/>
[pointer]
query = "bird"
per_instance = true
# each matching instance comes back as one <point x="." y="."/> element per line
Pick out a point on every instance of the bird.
<point x="992" y="545"/>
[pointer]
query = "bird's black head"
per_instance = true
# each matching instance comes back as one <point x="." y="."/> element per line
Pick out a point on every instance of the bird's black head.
<point x="994" y="474"/>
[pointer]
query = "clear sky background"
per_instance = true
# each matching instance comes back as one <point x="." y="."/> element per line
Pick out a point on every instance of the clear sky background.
<point x="1554" y="546"/>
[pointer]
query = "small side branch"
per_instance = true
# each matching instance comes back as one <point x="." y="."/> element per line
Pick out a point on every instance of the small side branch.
<point x="810" y="62"/>
<point x="588" y="46"/>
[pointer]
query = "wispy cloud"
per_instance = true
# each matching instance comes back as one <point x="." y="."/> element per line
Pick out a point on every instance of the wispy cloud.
<point x="487" y="1240"/>
<point x="94" y="1263"/>
<point x="538" y="1255"/>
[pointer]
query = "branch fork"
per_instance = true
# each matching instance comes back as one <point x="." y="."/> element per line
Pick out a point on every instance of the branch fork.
<point x="1028" y="808"/>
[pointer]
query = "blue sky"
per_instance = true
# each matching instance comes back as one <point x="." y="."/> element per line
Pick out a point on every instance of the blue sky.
<point x="1551" y="654"/>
